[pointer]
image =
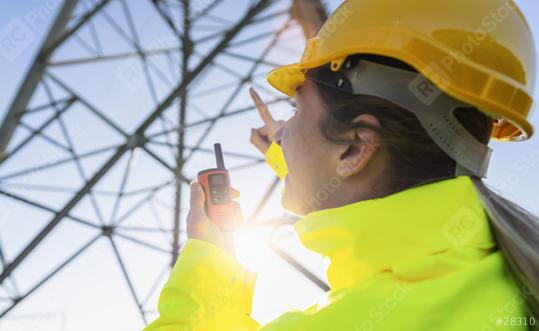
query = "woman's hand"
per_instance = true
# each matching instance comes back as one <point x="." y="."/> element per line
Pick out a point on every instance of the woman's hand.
<point x="201" y="227"/>
<point x="262" y="137"/>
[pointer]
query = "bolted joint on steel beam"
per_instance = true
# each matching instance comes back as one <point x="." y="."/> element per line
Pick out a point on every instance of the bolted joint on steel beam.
<point x="108" y="230"/>
<point x="136" y="140"/>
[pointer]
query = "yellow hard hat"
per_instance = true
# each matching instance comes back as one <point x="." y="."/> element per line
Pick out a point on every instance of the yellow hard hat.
<point x="480" y="52"/>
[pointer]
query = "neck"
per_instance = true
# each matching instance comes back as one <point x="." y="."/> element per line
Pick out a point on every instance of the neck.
<point x="362" y="187"/>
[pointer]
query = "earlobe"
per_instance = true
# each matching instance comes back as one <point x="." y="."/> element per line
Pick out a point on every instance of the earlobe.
<point x="356" y="160"/>
<point x="359" y="153"/>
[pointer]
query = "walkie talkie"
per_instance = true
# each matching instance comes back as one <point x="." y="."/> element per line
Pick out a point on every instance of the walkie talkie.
<point x="216" y="184"/>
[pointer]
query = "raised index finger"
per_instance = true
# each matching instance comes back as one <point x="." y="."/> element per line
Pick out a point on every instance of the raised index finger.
<point x="261" y="106"/>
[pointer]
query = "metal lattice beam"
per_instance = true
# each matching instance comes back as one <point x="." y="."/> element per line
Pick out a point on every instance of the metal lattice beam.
<point x="184" y="21"/>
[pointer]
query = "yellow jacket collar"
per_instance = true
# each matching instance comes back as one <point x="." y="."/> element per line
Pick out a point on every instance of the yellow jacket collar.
<point x="414" y="234"/>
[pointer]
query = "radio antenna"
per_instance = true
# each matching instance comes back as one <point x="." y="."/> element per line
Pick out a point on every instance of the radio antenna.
<point x="219" y="156"/>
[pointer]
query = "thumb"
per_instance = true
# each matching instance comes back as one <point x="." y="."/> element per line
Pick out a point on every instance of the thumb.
<point x="197" y="199"/>
<point x="259" y="134"/>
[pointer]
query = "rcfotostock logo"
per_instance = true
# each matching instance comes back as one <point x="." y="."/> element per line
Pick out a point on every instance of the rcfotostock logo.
<point x="134" y="73"/>
<point x="330" y="186"/>
<point x="131" y="74"/>
<point x="15" y="38"/>
<point x="321" y="195"/>
<point x="427" y="90"/>
<point x="439" y="73"/>
<point x="330" y="27"/>
<point x="463" y="226"/>
<point x="19" y="34"/>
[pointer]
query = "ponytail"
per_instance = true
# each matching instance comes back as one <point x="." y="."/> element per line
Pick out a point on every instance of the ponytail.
<point x="517" y="234"/>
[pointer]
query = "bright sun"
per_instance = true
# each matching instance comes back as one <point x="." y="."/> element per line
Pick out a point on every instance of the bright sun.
<point x="252" y="248"/>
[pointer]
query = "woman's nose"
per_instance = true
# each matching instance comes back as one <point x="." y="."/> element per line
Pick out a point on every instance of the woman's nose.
<point x="279" y="136"/>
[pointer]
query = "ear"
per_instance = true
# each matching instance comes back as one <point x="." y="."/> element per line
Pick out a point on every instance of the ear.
<point x="357" y="155"/>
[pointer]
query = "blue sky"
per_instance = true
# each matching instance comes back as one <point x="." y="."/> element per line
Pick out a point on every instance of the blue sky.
<point x="58" y="306"/>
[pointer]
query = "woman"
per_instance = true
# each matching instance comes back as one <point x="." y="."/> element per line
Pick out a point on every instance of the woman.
<point x="396" y="102"/>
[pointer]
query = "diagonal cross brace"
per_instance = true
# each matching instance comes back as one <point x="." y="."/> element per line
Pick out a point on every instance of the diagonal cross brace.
<point x="137" y="135"/>
<point x="56" y="36"/>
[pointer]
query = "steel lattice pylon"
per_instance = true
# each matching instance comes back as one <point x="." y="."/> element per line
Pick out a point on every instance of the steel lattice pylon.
<point x="103" y="93"/>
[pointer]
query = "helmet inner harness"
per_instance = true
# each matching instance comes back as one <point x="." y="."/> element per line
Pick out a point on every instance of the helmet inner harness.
<point x="399" y="86"/>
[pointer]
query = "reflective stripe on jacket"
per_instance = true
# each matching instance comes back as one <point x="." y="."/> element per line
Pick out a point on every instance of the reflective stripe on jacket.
<point x="420" y="259"/>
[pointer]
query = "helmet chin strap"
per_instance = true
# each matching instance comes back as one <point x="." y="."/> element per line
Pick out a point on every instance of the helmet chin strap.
<point x="435" y="111"/>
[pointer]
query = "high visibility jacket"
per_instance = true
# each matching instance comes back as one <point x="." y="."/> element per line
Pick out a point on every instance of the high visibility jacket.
<point x="420" y="259"/>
